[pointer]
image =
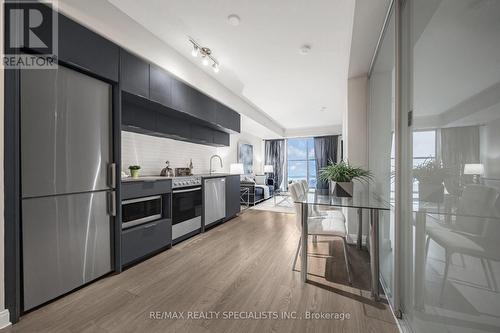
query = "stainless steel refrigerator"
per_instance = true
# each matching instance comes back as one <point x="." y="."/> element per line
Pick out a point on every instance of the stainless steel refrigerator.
<point x="67" y="181"/>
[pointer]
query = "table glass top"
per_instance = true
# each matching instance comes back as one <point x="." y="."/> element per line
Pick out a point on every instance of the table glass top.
<point x="360" y="199"/>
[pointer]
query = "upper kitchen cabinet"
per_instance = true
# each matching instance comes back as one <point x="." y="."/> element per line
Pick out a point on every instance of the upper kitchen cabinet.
<point x="220" y="139"/>
<point x="227" y="118"/>
<point x="134" y="74"/>
<point x="160" y="86"/>
<point x="172" y="127"/>
<point x="84" y="49"/>
<point x="201" y="134"/>
<point x="192" y="102"/>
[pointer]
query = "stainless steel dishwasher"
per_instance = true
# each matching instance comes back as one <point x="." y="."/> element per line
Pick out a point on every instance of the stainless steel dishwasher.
<point x="214" y="200"/>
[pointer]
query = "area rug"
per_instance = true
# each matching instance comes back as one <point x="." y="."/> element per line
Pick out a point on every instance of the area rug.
<point x="283" y="207"/>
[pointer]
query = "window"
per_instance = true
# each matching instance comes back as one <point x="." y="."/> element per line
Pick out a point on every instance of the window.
<point x="301" y="160"/>
<point x="424" y="148"/>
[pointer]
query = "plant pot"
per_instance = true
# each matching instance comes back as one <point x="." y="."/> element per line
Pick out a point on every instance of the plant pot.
<point x="341" y="189"/>
<point x="431" y="192"/>
<point x="134" y="173"/>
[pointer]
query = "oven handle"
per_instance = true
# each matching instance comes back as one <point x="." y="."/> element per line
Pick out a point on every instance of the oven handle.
<point x="155" y="197"/>
<point x="188" y="190"/>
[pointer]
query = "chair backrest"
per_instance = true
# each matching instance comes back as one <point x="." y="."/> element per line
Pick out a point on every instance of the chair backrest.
<point x="305" y="185"/>
<point x="476" y="200"/>
<point x="296" y="191"/>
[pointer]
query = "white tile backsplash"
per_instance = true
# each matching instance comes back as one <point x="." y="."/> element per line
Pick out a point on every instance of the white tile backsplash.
<point x="151" y="152"/>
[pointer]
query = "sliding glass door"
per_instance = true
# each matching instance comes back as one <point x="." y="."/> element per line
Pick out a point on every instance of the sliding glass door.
<point x="381" y="149"/>
<point x="451" y="219"/>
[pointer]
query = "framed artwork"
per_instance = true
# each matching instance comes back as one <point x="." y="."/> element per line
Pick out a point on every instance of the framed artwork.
<point x="245" y="157"/>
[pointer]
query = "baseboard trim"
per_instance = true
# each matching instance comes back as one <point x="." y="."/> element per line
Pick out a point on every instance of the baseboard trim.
<point x="4" y="318"/>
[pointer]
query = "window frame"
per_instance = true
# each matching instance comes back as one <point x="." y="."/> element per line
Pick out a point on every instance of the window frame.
<point x="309" y="144"/>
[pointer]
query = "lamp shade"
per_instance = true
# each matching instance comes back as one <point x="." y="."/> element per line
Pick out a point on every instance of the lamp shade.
<point x="268" y="168"/>
<point x="474" y="169"/>
<point x="236" y="169"/>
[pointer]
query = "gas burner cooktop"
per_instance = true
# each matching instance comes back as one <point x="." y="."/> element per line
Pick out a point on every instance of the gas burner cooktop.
<point x="188" y="181"/>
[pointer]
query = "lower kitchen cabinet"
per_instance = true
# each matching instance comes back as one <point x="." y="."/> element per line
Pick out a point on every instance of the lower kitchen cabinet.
<point x="232" y="196"/>
<point x="145" y="239"/>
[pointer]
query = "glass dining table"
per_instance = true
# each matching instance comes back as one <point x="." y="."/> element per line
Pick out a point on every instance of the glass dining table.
<point x="361" y="199"/>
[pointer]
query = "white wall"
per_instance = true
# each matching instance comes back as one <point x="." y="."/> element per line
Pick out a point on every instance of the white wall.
<point x="355" y="122"/>
<point x="355" y="133"/>
<point x="151" y="153"/>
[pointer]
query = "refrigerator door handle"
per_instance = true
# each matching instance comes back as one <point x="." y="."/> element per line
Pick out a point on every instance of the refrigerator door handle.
<point x="112" y="203"/>
<point x="112" y="175"/>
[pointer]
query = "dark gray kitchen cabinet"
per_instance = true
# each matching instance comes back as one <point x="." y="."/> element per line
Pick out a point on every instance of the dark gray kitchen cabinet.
<point x="84" y="49"/>
<point x="192" y="102"/>
<point x="203" y="107"/>
<point x="172" y="127"/>
<point x="137" y="118"/>
<point x="182" y="97"/>
<point x="160" y="86"/>
<point x="201" y="134"/>
<point x="220" y="138"/>
<point x="232" y="196"/>
<point x="135" y="189"/>
<point x="145" y="239"/>
<point x="134" y="74"/>
<point x="227" y="118"/>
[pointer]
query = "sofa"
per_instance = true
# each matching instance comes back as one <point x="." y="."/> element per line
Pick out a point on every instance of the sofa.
<point x="260" y="188"/>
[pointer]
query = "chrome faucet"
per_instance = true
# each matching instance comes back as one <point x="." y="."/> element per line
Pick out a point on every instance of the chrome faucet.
<point x="211" y="159"/>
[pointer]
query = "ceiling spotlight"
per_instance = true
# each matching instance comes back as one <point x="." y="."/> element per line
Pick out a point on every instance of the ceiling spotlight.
<point x="234" y="20"/>
<point x="305" y="49"/>
<point x="196" y="51"/>
<point x="205" y="60"/>
<point x="215" y="67"/>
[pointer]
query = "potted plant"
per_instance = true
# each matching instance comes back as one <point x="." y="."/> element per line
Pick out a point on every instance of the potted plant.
<point x="134" y="171"/>
<point x="430" y="175"/>
<point x="340" y="176"/>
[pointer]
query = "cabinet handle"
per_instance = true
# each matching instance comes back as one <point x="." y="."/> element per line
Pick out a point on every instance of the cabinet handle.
<point x="150" y="226"/>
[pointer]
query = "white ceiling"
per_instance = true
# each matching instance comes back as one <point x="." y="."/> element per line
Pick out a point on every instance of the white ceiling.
<point x="248" y="125"/>
<point x="369" y="18"/>
<point x="456" y="54"/>
<point x="260" y="58"/>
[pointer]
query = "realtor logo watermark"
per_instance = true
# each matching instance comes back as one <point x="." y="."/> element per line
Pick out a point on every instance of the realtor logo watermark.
<point x="31" y="34"/>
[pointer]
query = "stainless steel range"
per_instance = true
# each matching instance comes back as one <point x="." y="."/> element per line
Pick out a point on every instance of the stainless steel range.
<point x="180" y="182"/>
<point x="186" y="207"/>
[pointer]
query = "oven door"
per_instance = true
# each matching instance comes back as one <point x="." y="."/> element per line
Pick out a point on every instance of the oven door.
<point x="141" y="210"/>
<point x="186" y="204"/>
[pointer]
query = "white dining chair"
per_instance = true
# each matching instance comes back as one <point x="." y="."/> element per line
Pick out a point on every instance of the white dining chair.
<point x="317" y="226"/>
<point x="316" y="210"/>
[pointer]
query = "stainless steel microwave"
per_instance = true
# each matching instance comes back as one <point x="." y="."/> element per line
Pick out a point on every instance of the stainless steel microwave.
<point x="141" y="210"/>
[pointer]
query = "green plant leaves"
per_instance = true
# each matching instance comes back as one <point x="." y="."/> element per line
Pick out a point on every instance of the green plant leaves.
<point x="344" y="172"/>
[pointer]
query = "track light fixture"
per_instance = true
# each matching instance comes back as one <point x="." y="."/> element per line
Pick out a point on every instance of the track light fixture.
<point x="206" y="55"/>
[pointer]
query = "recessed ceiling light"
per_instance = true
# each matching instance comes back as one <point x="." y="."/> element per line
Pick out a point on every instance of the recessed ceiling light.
<point x="234" y="20"/>
<point x="305" y="49"/>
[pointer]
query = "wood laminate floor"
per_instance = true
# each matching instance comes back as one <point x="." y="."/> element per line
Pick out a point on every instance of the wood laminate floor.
<point x="243" y="268"/>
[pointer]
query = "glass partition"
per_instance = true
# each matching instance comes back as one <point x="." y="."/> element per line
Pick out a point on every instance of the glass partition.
<point x="451" y="223"/>
<point x="381" y="148"/>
